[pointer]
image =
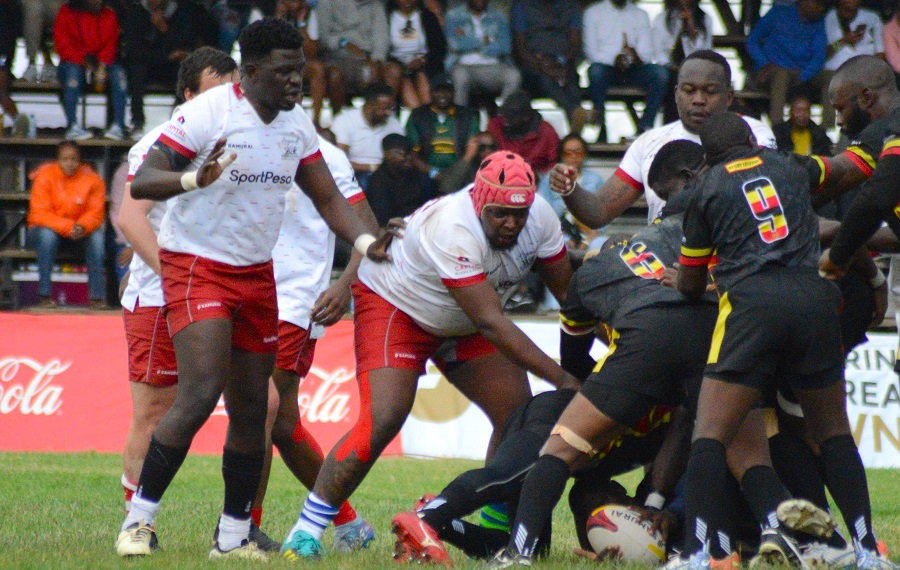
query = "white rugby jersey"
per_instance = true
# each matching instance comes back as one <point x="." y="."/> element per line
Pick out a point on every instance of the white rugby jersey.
<point x="445" y="246"/>
<point x="144" y="284"/>
<point x="236" y="219"/>
<point x="304" y="251"/>
<point x="636" y="163"/>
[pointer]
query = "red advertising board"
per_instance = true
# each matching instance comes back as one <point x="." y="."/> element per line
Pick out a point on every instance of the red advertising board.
<point x="64" y="387"/>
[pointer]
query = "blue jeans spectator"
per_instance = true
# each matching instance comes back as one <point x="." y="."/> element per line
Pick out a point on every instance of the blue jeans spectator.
<point x="47" y="242"/>
<point x="72" y="78"/>
<point x="652" y="78"/>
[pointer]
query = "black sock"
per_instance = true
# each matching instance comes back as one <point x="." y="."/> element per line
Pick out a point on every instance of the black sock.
<point x="455" y="501"/>
<point x="160" y="466"/>
<point x="476" y="541"/>
<point x="796" y="466"/>
<point x="846" y="480"/>
<point x="708" y="520"/>
<point x="241" y="472"/>
<point x="764" y="493"/>
<point x="541" y="490"/>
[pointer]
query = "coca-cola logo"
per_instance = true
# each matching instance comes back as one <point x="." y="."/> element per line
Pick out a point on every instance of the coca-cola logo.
<point x="324" y="396"/>
<point x="27" y="386"/>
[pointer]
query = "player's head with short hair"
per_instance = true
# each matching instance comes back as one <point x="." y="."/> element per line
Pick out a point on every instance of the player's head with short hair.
<point x="723" y="133"/>
<point x="703" y="87"/>
<point x="201" y="64"/>
<point x="272" y="63"/>
<point x="675" y="164"/>
<point x="259" y="39"/>
<point x="502" y="195"/>
<point x="862" y="90"/>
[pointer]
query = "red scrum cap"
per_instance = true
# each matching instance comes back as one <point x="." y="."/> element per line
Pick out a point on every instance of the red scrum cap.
<point x="503" y="179"/>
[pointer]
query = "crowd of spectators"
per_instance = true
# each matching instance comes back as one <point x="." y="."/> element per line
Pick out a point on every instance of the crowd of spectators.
<point x="485" y="54"/>
<point x="442" y="63"/>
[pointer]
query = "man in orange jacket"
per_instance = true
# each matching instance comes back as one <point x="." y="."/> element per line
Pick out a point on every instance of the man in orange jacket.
<point x="68" y="206"/>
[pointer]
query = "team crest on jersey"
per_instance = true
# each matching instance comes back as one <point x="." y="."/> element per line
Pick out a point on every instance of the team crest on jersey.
<point x="642" y="261"/>
<point x="180" y="119"/>
<point x="289" y="148"/>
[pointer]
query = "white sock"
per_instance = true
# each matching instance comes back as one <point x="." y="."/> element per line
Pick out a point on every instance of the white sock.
<point x="316" y="516"/>
<point x="232" y="532"/>
<point x="141" y="509"/>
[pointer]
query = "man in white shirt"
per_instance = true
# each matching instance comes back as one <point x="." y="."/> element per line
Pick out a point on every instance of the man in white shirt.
<point x="459" y="257"/>
<point x="359" y="131"/>
<point x="216" y="241"/>
<point x="851" y="31"/>
<point x="618" y="43"/>
<point x="704" y="88"/>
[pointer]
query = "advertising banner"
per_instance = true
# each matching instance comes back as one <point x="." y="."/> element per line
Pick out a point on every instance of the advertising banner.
<point x="64" y="388"/>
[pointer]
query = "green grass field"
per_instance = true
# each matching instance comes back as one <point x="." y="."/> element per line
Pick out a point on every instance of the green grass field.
<point x="64" y="511"/>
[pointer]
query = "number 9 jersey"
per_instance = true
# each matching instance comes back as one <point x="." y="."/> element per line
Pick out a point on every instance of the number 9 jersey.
<point x="752" y="212"/>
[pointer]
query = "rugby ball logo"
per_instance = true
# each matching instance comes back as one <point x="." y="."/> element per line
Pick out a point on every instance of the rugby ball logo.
<point x="617" y="529"/>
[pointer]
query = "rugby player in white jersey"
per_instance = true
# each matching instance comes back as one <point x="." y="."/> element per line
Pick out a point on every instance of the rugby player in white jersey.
<point x="441" y="298"/>
<point x="152" y="369"/>
<point x="703" y="89"/>
<point x="227" y="159"/>
<point x="307" y="303"/>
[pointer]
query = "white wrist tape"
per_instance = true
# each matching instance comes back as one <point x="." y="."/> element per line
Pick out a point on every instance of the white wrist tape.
<point x="363" y="242"/>
<point x="189" y="181"/>
<point x="655" y="500"/>
<point x="878" y="280"/>
<point x="569" y="191"/>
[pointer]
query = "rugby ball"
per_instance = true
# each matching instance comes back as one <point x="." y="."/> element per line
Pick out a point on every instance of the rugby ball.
<point x="615" y="526"/>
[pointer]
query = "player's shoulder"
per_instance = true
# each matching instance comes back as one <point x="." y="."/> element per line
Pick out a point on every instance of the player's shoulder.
<point x="652" y="140"/>
<point x="765" y="137"/>
<point x="139" y="150"/>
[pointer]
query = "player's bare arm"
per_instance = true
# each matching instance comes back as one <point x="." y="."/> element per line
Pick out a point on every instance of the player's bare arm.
<point x="593" y="209"/>
<point x="556" y="276"/>
<point x="691" y="281"/>
<point x="316" y="181"/>
<point x="134" y="224"/>
<point x="482" y="305"/>
<point x="843" y="175"/>
<point x="334" y="302"/>
<point x="162" y="175"/>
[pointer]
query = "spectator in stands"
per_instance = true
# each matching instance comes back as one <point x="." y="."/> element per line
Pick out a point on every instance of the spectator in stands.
<point x="572" y="152"/>
<point x="86" y="36"/>
<point x="38" y="21"/>
<point x="397" y="187"/>
<point x="681" y="29"/>
<point x="788" y="47"/>
<point x="850" y="31"/>
<point x="618" y="43"/>
<point x="799" y="134"/>
<point x="303" y="16"/>
<point x="230" y="17"/>
<point x="462" y="172"/>
<point x="354" y="35"/>
<point x="480" y="45"/>
<point x="67" y="208"/>
<point x="439" y="131"/>
<point x="521" y="129"/>
<point x="359" y="132"/>
<point x="11" y="16"/>
<point x="892" y="42"/>
<point x="158" y="35"/>
<point x="547" y="48"/>
<point x="417" y="51"/>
